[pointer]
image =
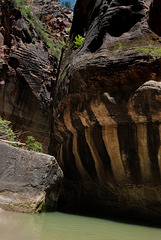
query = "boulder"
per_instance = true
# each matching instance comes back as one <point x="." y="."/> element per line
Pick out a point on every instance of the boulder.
<point x="26" y="178"/>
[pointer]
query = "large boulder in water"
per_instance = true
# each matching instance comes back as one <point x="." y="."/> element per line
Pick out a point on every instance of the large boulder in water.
<point x="25" y="178"/>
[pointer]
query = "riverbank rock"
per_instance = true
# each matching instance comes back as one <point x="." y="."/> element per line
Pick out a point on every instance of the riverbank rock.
<point x="107" y="109"/>
<point x="25" y="179"/>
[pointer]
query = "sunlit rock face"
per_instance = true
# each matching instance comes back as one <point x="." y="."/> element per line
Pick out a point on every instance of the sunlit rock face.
<point x="107" y="109"/>
<point x="58" y="18"/>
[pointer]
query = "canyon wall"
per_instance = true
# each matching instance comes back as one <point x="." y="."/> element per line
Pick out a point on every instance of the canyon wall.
<point x="107" y="109"/>
<point x="28" y="67"/>
<point x="103" y="106"/>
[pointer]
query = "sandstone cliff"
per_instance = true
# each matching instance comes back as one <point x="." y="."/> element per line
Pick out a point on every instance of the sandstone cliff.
<point x="107" y="109"/>
<point x="28" y="67"/>
<point x="106" y="132"/>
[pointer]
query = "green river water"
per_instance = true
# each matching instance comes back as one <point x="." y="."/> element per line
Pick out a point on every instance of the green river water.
<point x="60" y="226"/>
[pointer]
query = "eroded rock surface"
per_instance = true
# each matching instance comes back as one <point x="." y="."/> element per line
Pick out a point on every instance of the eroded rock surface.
<point x="58" y="18"/>
<point x="27" y="67"/>
<point x="107" y="109"/>
<point x="25" y="179"/>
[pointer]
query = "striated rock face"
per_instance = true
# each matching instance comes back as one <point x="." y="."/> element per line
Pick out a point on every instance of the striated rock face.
<point x="25" y="178"/>
<point x="107" y="109"/>
<point x="27" y="70"/>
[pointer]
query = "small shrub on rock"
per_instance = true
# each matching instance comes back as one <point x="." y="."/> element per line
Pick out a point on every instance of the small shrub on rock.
<point x="5" y="130"/>
<point x="33" y="145"/>
<point x="6" y="133"/>
<point x="78" y="41"/>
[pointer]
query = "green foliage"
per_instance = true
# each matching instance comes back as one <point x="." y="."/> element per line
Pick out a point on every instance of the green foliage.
<point x="33" y="145"/>
<point x="78" y="41"/>
<point x="151" y="50"/>
<point x="68" y="31"/>
<point x="67" y="4"/>
<point x="6" y="131"/>
<point x="41" y="29"/>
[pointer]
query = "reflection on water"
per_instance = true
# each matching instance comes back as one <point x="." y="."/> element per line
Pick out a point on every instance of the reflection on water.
<point x="59" y="226"/>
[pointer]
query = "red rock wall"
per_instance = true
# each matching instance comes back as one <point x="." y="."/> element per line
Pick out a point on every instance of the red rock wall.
<point x="106" y="129"/>
<point x="28" y="70"/>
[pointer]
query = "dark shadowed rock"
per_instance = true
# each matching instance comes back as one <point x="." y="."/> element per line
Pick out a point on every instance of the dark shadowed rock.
<point x="25" y="178"/>
<point x="107" y="109"/>
<point x="155" y="17"/>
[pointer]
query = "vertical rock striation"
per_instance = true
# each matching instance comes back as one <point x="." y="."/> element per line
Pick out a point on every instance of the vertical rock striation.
<point x="107" y="109"/>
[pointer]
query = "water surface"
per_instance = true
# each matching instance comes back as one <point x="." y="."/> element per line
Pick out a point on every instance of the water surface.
<point x="60" y="226"/>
